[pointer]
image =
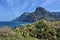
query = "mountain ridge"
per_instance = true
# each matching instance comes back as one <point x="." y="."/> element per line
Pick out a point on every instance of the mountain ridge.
<point x="38" y="14"/>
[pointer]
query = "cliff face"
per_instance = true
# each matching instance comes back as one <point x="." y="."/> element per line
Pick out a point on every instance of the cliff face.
<point x="40" y="13"/>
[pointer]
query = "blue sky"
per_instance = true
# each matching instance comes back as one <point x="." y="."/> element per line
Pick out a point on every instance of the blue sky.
<point x="11" y="9"/>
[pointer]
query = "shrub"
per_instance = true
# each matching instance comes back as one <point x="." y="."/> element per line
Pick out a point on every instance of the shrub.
<point x="44" y="30"/>
<point x="41" y="29"/>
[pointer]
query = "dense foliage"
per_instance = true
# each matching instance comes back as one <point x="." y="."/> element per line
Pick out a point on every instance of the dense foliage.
<point x="38" y="30"/>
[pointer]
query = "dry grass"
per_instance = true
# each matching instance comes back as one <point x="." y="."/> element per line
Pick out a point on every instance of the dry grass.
<point x="6" y="31"/>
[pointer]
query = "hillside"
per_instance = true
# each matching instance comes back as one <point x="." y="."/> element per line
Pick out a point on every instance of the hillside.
<point x="38" y="14"/>
<point x="40" y="30"/>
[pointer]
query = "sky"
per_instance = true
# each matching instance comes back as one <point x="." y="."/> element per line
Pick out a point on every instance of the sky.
<point x="11" y="9"/>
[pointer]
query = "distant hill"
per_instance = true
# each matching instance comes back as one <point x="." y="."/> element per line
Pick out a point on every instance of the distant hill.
<point x="38" y="14"/>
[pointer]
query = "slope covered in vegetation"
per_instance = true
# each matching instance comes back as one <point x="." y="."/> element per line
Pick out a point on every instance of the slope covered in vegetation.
<point x="39" y="30"/>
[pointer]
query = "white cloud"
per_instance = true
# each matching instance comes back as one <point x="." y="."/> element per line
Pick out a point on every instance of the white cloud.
<point x="55" y="10"/>
<point x="47" y="2"/>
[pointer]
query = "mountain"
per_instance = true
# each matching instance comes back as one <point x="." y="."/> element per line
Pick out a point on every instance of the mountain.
<point x="56" y="14"/>
<point x="38" y="14"/>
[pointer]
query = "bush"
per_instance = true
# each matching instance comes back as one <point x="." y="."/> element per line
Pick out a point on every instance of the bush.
<point x="42" y="29"/>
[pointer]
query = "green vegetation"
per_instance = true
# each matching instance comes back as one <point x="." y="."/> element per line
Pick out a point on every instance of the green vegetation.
<point x="39" y="30"/>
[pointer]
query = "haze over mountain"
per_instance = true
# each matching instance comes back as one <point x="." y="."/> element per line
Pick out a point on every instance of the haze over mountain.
<point x="38" y="14"/>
